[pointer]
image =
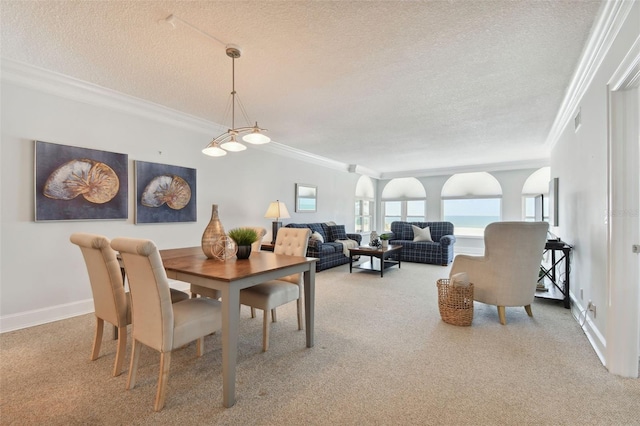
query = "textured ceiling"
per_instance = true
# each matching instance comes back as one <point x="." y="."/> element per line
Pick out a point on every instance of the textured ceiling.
<point x="435" y="83"/>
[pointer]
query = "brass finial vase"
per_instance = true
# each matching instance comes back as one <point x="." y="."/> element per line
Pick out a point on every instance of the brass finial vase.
<point x="215" y="243"/>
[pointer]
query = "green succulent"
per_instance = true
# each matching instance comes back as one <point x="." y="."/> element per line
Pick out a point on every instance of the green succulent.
<point x="243" y="236"/>
<point x="386" y="236"/>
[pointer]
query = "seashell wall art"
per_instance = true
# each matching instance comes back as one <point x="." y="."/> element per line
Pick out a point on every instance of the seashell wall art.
<point x="165" y="193"/>
<point x="73" y="183"/>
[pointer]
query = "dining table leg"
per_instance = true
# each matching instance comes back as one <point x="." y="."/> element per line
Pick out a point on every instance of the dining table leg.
<point x="309" y="302"/>
<point x="230" y="321"/>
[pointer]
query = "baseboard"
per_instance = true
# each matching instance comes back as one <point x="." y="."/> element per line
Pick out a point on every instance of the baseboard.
<point x="56" y="313"/>
<point x="45" y="315"/>
<point x="595" y="337"/>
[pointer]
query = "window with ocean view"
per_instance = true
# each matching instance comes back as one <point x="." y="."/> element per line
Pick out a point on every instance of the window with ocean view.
<point x="471" y="201"/>
<point x="473" y="214"/>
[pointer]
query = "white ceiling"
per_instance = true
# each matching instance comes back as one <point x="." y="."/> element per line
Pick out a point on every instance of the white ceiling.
<point x="391" y="86"/>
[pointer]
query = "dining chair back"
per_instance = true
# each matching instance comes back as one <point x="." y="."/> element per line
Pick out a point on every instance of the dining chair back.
<point x="271" y="294"/>
<point x="156" y="322"/>
<point x="110" y="301"/>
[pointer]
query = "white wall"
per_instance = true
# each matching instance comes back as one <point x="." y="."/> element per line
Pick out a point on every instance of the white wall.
<point x="579" y="160"/>
<point x="43" y="277"/>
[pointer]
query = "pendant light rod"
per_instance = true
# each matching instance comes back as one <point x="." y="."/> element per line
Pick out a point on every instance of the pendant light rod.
<point x="230" y="52"/>
<point x="227" y="141"/>
<point x="172" y="19"/>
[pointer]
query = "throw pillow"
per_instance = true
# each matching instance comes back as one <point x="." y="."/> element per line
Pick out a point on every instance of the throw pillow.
<point x="420" y="234"/>
<point x="317" y="236"/>
<point x="337" y="232"/>
<point x="461" y="279"/>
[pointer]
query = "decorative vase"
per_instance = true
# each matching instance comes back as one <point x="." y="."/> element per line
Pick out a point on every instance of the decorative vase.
<point x="243" y="252"/>
<point x="385" y="244"/>
<point x="214" y="239"/>
<point x="373" y="239"/>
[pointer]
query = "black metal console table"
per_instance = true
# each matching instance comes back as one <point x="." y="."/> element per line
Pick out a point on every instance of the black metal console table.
<point x="559" y="283"/>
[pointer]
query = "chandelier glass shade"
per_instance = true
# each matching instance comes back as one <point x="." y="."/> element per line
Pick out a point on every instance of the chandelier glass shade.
<point x="228" y="140"/>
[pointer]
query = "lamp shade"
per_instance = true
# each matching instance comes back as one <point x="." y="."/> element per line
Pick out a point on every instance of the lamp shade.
<point x="277" y="210"/>
<point x="214" y="151"/>
<point x="256" y="138"/>
<point x="233" y="145"/>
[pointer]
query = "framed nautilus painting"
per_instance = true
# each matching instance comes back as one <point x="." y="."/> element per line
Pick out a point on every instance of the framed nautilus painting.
<point x="73" y="183"/>
<point x="165" y="193"/>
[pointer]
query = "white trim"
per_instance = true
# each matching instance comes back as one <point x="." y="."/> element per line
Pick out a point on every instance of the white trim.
<point x="49" y="314"/>
<point x="45" y="315"/>
<point x="628" y="73"/>
<point x="31" y="77"/>
<point x="486" y="167"/>
<point x="611" y="18"/>
<point x="46" y="81"/>
<point x="297" y="154"/>
<point x="595" y="337"/>
<point x="623" y="203"/>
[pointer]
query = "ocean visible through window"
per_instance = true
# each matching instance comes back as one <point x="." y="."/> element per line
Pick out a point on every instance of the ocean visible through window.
<point x="472" y="221"/>
<point x="471" y="215"/>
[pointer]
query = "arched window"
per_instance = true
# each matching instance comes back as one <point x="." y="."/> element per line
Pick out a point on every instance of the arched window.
<point x="365" y="195"/>
<point x="471" y="201"/>
<point x="535" y="191"/>
<point x="403" y="199"/>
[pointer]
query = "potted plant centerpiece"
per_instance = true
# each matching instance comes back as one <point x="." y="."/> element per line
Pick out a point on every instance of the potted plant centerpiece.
<point x="243" y="237"/>
<point x="385" y="240"/>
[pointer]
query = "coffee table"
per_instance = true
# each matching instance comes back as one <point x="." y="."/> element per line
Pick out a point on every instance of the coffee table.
<point x="380" y="253"/>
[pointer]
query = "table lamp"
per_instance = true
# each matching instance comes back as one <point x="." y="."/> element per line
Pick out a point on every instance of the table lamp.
<point x="276" y="210"/>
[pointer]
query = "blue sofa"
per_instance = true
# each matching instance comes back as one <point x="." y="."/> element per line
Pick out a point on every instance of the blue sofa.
<point x="438" y="252"/>
<point x="329" y="252"/>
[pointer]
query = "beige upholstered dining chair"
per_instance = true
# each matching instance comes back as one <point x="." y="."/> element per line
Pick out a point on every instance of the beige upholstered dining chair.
<point x="271" y="294"/>
<point x="215" y="294"/>
<point x="111" y="302"/>
<point x="156" y="322"/>
<point x="507" y="274"/>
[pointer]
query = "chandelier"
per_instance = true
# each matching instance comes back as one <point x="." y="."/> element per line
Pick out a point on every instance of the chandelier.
<point x="228" y="140"/>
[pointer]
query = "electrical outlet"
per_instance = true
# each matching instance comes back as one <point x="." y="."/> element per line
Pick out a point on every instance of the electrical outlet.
<point x="591" y="308"/>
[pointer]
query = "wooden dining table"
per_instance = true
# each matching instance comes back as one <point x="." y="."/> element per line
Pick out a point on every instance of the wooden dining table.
<point x="231" y="276"/>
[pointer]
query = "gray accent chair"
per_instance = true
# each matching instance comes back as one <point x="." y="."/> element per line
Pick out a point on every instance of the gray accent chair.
<point x="111" y="303"/>
<point x="271" y="294"/>
<point x="156" y="322"/>
<point x="507" y="274"/>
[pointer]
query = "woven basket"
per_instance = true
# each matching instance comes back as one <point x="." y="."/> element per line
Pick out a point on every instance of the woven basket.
<point x="455" y="303"/>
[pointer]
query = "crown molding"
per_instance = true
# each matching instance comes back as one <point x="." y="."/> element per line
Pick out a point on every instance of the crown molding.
<point x="486" y="167"/>
<point x="297" y="154"/>
<point x="32" y="77"/>
<point x="47" y="81"/>
<point x="628" y="73"/>
<point x="610" y="20"/>
<point x="54" y="83"/>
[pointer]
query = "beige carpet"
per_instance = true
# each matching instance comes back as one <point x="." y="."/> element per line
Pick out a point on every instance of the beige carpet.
<point x="382" y="357"/>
